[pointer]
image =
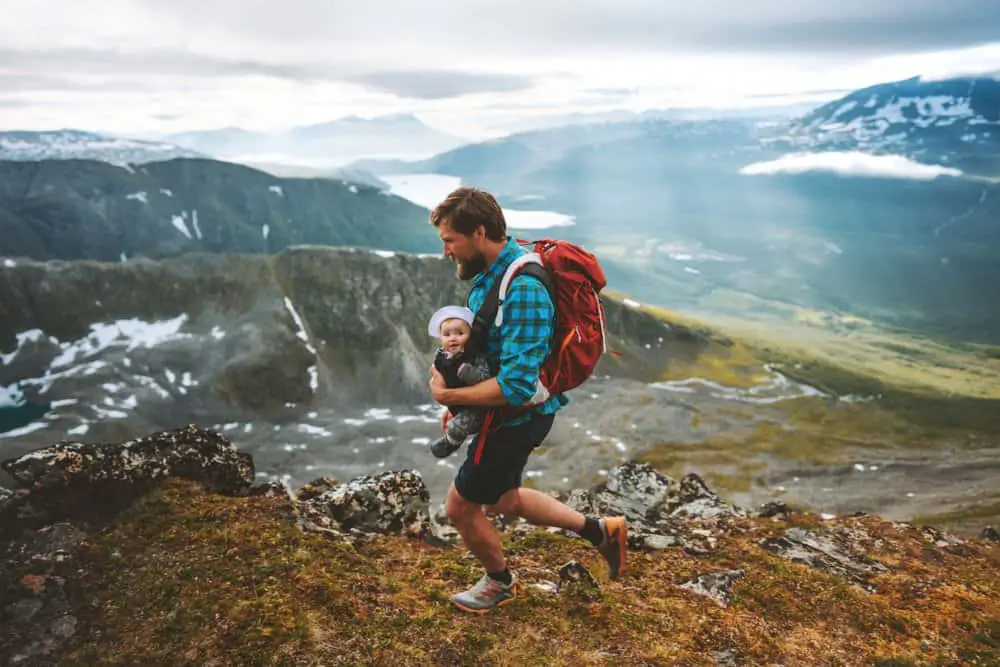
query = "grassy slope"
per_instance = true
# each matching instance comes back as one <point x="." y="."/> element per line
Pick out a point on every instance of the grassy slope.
<point x="185" y="577"/>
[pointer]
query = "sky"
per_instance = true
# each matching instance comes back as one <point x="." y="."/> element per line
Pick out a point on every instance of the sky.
<point x="146" y="68"/>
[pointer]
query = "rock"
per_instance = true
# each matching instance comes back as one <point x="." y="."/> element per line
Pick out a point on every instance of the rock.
<point x="22" y="611"/>
<point x="271" y="488"/>
<point x="635" y="489"/>
<point x="63" y="627"/>
<point x="577" y="581"/>
<point x="727" y="658"/>
<point x="772" y="509"/>
<point x="830" y="550"/>
<point x="716" y="585"/>
<point x="695" y="499"/>
<point x="391" y="502"/>
<point x="990" y="534"/>
<point x="316" y="488"/>
<point x="190" y="452"/>
<point x="658" y="509"/>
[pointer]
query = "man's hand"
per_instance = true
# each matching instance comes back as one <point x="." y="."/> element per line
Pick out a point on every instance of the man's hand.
<point x="438" y="388"/>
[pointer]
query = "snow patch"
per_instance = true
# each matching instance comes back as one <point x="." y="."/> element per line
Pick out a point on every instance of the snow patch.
<point x="277" y="190"/>
<point x="138" y="196"/>
<point x="850" y="163"/>
<point x="194" y="222"/>
<point x="178" y="222"/>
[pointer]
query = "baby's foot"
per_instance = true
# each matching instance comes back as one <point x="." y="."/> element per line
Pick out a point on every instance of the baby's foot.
<point x="443" y="448"/>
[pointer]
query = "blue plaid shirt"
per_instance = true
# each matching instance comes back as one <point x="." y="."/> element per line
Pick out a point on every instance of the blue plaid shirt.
<point x="519" y="346"/>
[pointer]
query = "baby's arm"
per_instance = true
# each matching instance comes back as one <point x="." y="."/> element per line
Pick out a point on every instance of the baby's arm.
<point x="475" y="372"/>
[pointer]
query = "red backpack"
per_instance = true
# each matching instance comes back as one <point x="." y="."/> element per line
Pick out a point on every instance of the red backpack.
<point x="574" y="279"/>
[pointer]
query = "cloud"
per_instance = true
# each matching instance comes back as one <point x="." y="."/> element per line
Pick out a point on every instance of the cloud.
<point x="120" y="63"/>
<point x="568" y="27"/>
<point x="850" y="163"/>
<point x="442" y="84"/>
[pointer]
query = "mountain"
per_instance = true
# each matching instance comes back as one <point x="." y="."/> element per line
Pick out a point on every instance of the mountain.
<point x="348" y="174"/>
<point x="86" y="209"/>
<point x="325" y="144"/>
<point x="950" y="121"/>
<point x="316" y="359"/>
<point x="75" y="144"/>
<point x="324" y="348"/>
<point x="778" y="110"/>
<point x="709" y="216"/>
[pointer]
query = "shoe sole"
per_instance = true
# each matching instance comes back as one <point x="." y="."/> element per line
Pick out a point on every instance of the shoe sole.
<point x="618" y="530"/>
<point x="480" y="612"/>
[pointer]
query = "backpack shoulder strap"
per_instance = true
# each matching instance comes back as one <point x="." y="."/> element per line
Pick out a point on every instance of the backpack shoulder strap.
<point x="490" y="311"/>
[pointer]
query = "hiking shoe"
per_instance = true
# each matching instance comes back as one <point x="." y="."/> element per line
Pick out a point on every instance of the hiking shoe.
<point x="443" y="448"/>
<point x="485" y="595"/>
<point x="614" y="544"/>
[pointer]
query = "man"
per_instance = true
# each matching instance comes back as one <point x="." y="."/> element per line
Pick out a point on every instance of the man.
<point x="473" y="230"/>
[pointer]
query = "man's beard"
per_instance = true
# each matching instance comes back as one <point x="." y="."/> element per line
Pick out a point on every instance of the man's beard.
<point x="468" y="269"/>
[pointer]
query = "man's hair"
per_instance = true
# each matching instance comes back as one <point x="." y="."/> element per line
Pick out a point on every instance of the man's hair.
<point x="466" y="209"/>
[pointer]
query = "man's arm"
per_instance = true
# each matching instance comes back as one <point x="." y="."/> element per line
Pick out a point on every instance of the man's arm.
<point x="484" y="394"/>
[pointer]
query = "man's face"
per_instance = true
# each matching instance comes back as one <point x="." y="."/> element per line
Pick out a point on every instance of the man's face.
<point x="463" y="250"/>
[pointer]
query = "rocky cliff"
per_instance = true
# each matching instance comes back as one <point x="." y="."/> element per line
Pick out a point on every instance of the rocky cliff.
<point x="89" y="209"/>
<point x="160" y="550"/>
<point x="315" y="360"/>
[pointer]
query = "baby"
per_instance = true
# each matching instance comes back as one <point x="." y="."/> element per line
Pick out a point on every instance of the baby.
<point x="452" y="326"/>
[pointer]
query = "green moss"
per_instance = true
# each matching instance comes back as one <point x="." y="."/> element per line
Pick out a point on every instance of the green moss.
<point x="188" y="578"/>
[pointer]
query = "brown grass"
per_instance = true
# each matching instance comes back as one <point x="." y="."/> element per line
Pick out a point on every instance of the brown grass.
<point x="190" y="578"/>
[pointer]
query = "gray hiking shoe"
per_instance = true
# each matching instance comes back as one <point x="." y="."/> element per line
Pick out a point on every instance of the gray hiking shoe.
<point x="485" y="595"/>
<point x="614" y="545"/>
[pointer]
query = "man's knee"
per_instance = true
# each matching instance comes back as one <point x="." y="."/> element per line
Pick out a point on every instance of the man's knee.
<point x="457" y="508"/>
<point x="509" y="503"/>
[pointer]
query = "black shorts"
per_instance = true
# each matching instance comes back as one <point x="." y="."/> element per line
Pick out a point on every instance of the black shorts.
<point x="504" y="456"/>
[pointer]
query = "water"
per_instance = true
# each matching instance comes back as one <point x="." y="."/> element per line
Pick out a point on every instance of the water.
<point x="14" y="418"/>
<point x="429" y="189"/>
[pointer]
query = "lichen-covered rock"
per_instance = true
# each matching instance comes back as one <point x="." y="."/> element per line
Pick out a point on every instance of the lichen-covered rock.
<point x="661" y="512"/>
<point x="316" y="488"/>
<point x="695" y="499"/>
<point x="716" y="585"/>
<point x="392" y="502"/>
<point x="271" y="488"/>
<point x="839" y="551"/>
<point x="190" y="452"/>
<point x="576" y="581"/>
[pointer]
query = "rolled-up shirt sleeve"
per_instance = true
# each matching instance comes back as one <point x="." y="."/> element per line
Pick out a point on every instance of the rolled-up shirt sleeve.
<point x="526" y="333"/>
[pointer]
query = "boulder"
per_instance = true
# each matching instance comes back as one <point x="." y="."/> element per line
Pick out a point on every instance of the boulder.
<point x="836" y="550"/>
<point x="190" y="452"/>
<point x="660" y="511"/>
<point x="716" y="585"/>
<point x="391" y="502"/>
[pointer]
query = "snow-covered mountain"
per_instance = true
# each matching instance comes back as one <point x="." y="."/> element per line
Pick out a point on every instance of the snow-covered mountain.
<point x="943" y="121"/>
<point x="75" y="144"/>
<point x="326" y="144"/>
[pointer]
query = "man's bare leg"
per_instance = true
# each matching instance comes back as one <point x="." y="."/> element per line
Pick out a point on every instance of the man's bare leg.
<point x="478" y="533"/>
<point x="540" y="509"/>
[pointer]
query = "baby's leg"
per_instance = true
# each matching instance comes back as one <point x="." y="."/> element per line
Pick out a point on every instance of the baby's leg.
<point x="455" y="433"/>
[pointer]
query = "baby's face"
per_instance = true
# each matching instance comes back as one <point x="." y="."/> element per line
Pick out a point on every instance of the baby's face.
<point x="454" y="335"/>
